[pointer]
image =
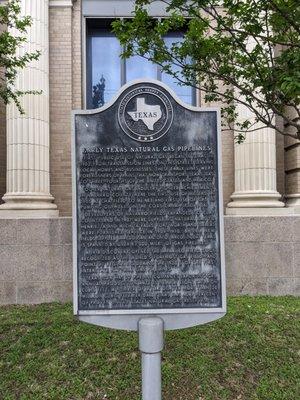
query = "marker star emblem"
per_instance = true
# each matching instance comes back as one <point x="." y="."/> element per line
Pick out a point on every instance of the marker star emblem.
<point x="145" y="113"/>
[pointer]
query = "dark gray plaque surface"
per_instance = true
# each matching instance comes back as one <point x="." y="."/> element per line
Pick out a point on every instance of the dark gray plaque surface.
<point x="147" y="220"/>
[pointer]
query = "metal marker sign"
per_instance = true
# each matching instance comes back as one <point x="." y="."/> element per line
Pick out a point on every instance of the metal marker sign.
<point x="147" y="213"/>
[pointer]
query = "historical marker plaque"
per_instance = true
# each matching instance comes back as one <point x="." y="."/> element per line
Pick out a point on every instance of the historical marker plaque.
<point x="148" y="236"/>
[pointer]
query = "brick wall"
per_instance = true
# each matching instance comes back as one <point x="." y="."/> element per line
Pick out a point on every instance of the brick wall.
<point x="292" y="165"/>
<point x="66" y="44"/>
<point x="280" y="160"/>
<point x="227" y="140"/>
<point x="61" y="104"/>
<point x="66" y="94"/>
<point x="280" y="164"/>
<point x="77" y="56"/>
<point x="2" y="151"/>
<point x="227" y="165"/>
<point x="2" y="143"/>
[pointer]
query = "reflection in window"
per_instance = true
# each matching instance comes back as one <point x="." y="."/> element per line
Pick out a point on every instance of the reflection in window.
<point x="185" y="93"/>
<point x="138" y="67"/>
<point x="98" y="93"/>
<point x="107" y="71"/>
<point x="105" y="79"/>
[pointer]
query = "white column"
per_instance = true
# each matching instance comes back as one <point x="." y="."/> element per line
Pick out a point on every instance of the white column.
<point x="255" y="172"/>
<point x="255" y="167"/>
<point x="28" y="187"/>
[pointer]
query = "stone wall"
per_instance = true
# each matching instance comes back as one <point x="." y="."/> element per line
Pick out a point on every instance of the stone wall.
<point x="35" y="260"/>
<point x="262" y="257"/>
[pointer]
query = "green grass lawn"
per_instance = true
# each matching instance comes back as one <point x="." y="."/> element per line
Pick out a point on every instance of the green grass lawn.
<point x="252" y="353"/>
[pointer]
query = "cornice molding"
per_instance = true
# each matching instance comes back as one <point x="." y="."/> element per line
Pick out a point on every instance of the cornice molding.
<point x="52" y="3"/>
<point x="60" y="3"/>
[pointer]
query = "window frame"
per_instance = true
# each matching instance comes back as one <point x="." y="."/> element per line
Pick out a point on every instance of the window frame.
<point x="88" y="66"/>
<point x="119" y="8"/>
<point x="109" y="10"/>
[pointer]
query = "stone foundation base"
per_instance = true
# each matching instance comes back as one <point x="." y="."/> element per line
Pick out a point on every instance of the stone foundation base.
<point x="262" y="257"/>
<point x="28" y="214"/>
<point x="35" y="260"/>
<point x="253" y="211"/>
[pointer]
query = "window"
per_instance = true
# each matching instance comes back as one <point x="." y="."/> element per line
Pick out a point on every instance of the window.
<point x="107" y="72"/>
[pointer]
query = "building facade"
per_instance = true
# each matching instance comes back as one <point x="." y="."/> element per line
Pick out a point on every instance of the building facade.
<point x="80" y="68"/>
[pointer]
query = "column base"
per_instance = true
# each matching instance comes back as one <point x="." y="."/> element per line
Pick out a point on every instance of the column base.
<point x="28" y="206"/>
<point x="268" y="211"/>
<point x="256" y="203"/>
<point x="293" y="202"/>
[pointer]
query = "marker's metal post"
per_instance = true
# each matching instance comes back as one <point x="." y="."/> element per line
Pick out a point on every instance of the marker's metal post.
<point x="151" y="343"/>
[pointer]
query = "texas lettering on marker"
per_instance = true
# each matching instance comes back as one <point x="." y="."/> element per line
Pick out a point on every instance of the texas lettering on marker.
<point x="149" y="114"/>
